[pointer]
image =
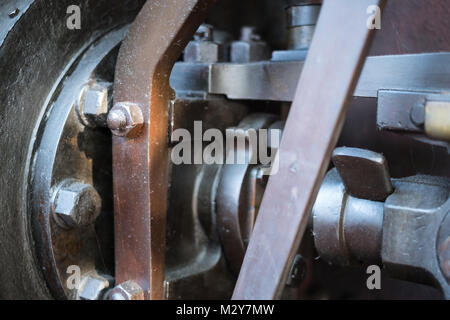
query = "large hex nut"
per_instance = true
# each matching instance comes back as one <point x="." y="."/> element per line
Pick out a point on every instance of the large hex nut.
<point x="92" y="105"/>
<point x="126" y="119"/>
<point x="128" y="290"/>
<point x="202" y="51"/>
<point x="248" y="51"/>
<point x="75" y="204"/>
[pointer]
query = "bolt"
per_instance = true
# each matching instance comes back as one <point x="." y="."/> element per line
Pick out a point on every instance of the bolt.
<point x="75" y="204"/>
<point x="203" y="49"/>
<point x="417" y="114"/>
<point x="126" y="120"/>
<point x="204" y="33"/>
<point x="249" y="48"/>
<point x="365" y="173"/>
<point x="128" y="290"/>
<point x="248" y="33"/>
<point x="92" y="105"/>
<point x="297" y="273"/>
<point x="93" y="287"/>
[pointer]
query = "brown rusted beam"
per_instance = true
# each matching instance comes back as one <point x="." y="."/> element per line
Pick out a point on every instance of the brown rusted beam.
<point x="140" y="162"/>
<point x="328" y="79"/>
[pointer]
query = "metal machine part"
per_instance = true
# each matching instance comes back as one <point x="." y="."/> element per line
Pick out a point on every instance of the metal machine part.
<point x="71" y="224"/>
<point x="301" y="22"/>
<point x="365" y="173"/>
<point x="239" y="194"/>
<point x="415" y="112"/>
<point x="141" y="203"/>
<point x="275" y="80"/>
<point x="249" y="48"/>
<point x="303" y="162"/>
<point x="58" y="115"/>
<point x="346" y="229"/>
<point x="203" y="49"/>
<point x="401" y="232"/>
<point x="415" y="213"/>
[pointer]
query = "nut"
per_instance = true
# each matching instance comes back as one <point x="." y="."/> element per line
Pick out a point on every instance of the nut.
<point x="243" y="51"/>
<point x="249" y="48"/>
<point x="128" y="290"/>
<point x="93" y="287"/>
<point x="126" y="120"/>
<point x="92" y="106"/>
<point x="417" y="113"/>
<point x="201" y="51"/>
<point x="76" y="204"/>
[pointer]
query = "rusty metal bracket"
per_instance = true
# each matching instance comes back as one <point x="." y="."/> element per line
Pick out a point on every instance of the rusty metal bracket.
<point x="140" y="164"/>
<point x="335" y="58"/>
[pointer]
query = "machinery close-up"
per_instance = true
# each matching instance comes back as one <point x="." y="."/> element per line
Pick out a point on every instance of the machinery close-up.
<point x="224" y="149"/>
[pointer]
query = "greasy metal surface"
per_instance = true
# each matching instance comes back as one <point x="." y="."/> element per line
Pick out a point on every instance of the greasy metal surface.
<point x="395" y="107"/>
<point x="276" y="80"/>
<point x="365" y="173"/>
<point x="413" y="216"/>
<point x="302" y="15"/>
<point x="347" y="230"/>
<point x="306" y="147"/>
<point x="233" y="203"/>
<point x="66" y="149"/>
<point x="155" y="41"/>
<point x="406" y="156"/>
<point x="36" y="51"/>
<point x="193" y="250"/>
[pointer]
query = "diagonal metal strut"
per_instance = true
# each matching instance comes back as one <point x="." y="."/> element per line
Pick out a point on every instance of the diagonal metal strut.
<point x="155" y="40"/>
<point x="328" y="79"/>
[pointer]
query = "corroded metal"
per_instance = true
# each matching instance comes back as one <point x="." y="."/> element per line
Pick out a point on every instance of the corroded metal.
<point x="155" y="41"/>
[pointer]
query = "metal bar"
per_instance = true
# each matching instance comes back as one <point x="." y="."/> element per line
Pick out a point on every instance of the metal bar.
<point x="276" y="80"/>
<point x="315" y="120"/>
<point x="155" y="41"/>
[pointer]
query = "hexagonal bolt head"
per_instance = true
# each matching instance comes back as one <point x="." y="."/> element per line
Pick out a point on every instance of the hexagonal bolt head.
<point x="93" y="287"/>
<point x="76" y="204"/>
<point x="126" y="120"/>
<point x="93" y="103"/>
<point x="249" y="48"/>
<point x="202" y="51"/>
<point x="128" y="290"/>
